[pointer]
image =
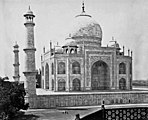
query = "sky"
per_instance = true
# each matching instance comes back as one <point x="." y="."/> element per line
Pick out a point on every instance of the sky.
<point x="126" y="20"/>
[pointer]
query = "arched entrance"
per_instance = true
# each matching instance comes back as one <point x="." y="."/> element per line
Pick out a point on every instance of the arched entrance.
<point x="122" y="84"/>
<point x="100" y="76"/>
<point x="76" y="85"/>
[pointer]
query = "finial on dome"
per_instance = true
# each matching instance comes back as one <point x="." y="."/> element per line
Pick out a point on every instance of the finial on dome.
<point x="29" y="8"/>
<point x="83" y="11"/>
<point x="113" y="38"/>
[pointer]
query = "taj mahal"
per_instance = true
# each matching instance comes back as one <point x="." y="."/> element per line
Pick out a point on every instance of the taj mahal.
<point x="83" y="64"/>
<point x="82" y="72"/>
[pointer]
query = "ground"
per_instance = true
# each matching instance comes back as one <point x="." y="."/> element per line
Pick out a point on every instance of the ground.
<point x="58" y="114"/>
<point x="55" y="114"/>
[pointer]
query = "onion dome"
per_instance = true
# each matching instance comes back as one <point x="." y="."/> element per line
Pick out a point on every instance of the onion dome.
<point x="58" y="49"/>
<point x="84" y="26"/>
<point x="114" y="44"/>
<point x="16" y="45"/>
<point x="70" y="42"/>
<point x="29" y="13"/>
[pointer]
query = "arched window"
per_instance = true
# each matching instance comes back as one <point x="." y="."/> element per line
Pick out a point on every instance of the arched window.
<point x="76" y="68"/>
<point x="52" y="84"/>
<point x="42" y="71"/>
<point x="76" y="85"/>
<point x="61" y="68"/>
<point x="122" y="68"/>
<point x="72" y="51"/>
<point x="52" y="69"/>
<point x="122" y="84"/>
<point x="61" y="85"/>
<point x="66" y="50"/>
<point x="47" y="76"/>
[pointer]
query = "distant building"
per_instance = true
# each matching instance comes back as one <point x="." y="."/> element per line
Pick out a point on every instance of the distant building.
<point x="83" y="64"/>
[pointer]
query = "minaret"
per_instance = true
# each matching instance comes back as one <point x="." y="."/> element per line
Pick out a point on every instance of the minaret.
<point x="16" y="64"/>
<point x="30" y="67"/>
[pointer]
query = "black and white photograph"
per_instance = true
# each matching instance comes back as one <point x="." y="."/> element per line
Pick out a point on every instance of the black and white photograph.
<point x="73" y="60"/>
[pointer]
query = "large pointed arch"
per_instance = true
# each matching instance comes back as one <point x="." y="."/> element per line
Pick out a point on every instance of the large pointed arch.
<point x="46" y="76"/>
<point x="100" y="79"/>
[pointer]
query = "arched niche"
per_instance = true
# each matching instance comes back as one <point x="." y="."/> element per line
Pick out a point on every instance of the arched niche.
<point x="122" y="84"/>
<point x="61" y="85"/>
<point x="122" y="68"/>
<point x="76" y="69"/>
<point x="100" y="78"/>
<point x="76" y="84"/>
<point x="61" y="68"/>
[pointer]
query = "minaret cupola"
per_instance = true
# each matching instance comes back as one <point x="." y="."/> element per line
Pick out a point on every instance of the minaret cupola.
<point x="29" y="16"/>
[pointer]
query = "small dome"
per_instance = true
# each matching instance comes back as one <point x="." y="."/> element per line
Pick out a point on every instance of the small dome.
<point x="16" y="45"/>
<point x="70" y="42"/>
<point x="85" y="30"/>
<point x="58" y="49"/>
<point x="84" y="25"/>
<point x="29" y="13"/>
<point x="114" y="44"/>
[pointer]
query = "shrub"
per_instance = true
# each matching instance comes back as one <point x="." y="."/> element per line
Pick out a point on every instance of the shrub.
<point x="12" y="98"/>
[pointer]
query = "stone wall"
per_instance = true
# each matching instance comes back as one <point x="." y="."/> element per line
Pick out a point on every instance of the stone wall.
<point x="90" y="99"/>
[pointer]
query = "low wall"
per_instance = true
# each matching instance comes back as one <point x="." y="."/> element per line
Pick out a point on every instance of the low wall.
<point x="91" y="99"/>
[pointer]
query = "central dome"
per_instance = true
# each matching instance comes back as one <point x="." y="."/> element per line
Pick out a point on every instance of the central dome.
<point x="85" y="30"/>
<point x="84" y="25"/>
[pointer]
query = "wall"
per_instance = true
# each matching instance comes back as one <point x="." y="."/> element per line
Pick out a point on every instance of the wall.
<point x="87" y="99"/>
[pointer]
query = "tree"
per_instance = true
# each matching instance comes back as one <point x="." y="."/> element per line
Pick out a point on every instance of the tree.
<point x="12" y="98"/>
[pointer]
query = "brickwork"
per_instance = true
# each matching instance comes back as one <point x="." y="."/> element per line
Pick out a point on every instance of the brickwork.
<point x="86" y="60"/>
<point x="30" y="83"/>
<point x="91" y="99"/>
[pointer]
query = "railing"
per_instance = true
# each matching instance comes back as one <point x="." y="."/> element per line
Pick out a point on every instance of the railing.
<point x="120" y="113"/>
<point x="140" y="113"/>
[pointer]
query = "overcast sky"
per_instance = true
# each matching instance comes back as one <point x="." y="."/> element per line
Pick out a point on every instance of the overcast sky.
<point x="126" y="20"/>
